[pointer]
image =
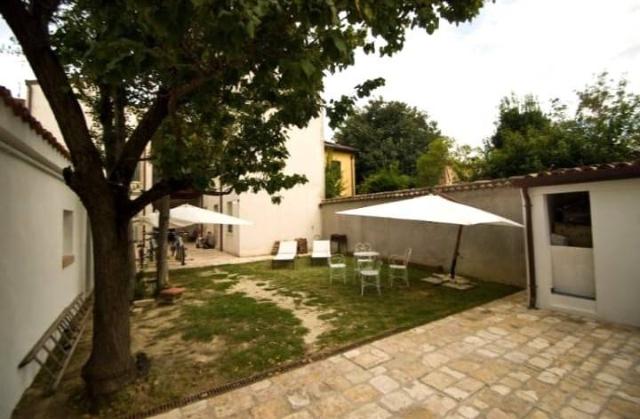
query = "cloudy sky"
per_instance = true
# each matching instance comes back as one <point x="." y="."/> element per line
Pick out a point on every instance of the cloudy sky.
<point x="546" y="47"/>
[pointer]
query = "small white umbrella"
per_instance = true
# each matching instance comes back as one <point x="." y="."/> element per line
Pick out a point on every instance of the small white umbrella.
<point x="185" y="215"/>
<point x="433" y="209"/>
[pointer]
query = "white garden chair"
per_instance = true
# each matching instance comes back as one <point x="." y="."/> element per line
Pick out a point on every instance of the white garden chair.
<point x="337" y="268"/>
<point x="361" y="260"/>
<point x="399" y="267"/>
<point x="370" y="275"/>
<point x="287" y="252"/>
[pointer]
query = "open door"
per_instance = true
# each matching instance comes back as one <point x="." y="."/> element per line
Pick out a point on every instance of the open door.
<point x="571" y="244"/>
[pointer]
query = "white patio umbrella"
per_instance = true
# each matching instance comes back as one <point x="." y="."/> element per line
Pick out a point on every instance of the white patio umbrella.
<point x="433" y="209"/>
<point x="185" y="215"/>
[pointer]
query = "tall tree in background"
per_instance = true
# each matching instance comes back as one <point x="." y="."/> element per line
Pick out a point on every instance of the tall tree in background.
<point x="242" y="70"/>
<point x="604" y="128"/>
<point x="606" y="123"/>
<point x="389" y="178"/>
<point x="432" y="163"/>
<point x="523" y="140"/>
<point x="387" y="132"/>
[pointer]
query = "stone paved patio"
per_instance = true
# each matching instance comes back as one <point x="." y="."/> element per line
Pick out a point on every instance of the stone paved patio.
<point x="199" y="258"/>
<point x="499" y="360"/>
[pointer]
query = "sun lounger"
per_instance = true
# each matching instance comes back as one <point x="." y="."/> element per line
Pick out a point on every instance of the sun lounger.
<point x="287" y="251"/>
<point x="321" y="250"/>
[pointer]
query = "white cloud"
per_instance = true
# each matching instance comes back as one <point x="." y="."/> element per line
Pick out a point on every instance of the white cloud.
<point x="546" y="47"/>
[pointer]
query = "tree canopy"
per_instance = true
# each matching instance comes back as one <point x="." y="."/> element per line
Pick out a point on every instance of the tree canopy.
<point x="388" y="178"/>
<point x="223" y="79"/>
<point x="604" y="128"/>
<point x="387" y="132"/>
<point x="432" y="163"/>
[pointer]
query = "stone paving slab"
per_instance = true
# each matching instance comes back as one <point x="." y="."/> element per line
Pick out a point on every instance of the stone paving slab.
<point x="499" y="360"/>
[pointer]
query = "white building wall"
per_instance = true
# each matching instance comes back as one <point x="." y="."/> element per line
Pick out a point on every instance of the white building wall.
<point x="615" y="221"/>
<point x="297" y="216"/>
<point x="34" y="286"/>
<point x="41" y="110"/>
<point x="39" y="107"/>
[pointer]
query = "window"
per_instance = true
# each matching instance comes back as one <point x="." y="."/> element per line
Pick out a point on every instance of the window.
<point x="570" y="219"/>
<point x="67" y="238"/>
<point x="230" y="212"/>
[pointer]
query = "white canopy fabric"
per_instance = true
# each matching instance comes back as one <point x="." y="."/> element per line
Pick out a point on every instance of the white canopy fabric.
<point x="433" y="209"/>
<point x="186" y="215"/>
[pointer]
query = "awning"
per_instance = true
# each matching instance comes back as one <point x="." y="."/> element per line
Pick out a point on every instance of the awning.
<point x="433" y="209"/>
<point x="186" y="215"/>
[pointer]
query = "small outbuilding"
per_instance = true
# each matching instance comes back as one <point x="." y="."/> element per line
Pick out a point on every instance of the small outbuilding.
<point x="583" y="240"/>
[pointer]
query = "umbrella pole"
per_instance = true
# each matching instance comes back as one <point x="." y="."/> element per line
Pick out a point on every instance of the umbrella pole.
<point x="456" y="252"/>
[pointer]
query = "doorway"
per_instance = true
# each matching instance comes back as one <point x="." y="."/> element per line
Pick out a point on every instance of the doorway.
<point x="571" y="244"/>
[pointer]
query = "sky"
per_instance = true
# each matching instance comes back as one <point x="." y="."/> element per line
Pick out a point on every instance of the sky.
<point x="549" y="48"/>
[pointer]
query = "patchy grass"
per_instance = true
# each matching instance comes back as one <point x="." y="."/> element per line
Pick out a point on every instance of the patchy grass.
<point x="214" y="335"/>
<point x="357" y="317"/>
<point x="259" y="335"/>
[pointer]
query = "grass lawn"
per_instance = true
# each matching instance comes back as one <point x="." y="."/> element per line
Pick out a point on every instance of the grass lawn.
<point x="238" y="320"/>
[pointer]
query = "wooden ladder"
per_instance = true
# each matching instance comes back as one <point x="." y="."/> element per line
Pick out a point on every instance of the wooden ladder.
<point x="54" y="349"/>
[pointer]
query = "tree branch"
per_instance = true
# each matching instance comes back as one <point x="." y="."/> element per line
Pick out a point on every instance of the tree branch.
<point x="105" y="116"/>
<point x="140" y="137"/>
<point x="217" y="193"/>
<point x="34" y="40"/>
<point x="165" y="101"/>
<point x="157" y="191"/>
<point x="119" y="121"/>
<point x="43" y="10"/>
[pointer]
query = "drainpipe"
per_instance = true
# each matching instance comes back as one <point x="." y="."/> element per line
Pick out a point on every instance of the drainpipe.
<point x="533" y="288"/>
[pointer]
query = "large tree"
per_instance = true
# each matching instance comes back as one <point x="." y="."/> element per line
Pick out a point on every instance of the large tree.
<point x="605" y="127"/>
<point x="242" y="71"/>
<point x="432" y="163"/>
<point x="387" y="132"/>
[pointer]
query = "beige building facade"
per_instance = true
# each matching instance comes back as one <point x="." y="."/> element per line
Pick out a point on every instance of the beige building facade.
<point x="297" y="216"/>
<point x="345" y="158"/>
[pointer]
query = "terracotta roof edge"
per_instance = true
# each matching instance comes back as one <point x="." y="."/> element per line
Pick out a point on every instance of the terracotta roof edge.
<point x="23" y="113"/>
<point x="415" y="192"/>
<point x="587" y="173"/>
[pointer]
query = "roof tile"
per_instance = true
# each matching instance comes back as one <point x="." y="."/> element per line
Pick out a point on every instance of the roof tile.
<point x="22" y="112"/>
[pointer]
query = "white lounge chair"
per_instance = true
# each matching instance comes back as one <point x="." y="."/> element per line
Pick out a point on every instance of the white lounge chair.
<point x="287" y="251"/>
<point x="321" y="250"/>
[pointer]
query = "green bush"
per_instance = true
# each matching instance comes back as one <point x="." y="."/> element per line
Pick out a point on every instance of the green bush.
<point x="386" y="179"/>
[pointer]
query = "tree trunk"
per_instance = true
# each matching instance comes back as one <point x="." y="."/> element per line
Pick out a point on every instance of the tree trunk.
<point x="162" y="264"/>
<point x="110" y="365"/>
<point x="132" y="266"/>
